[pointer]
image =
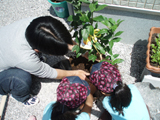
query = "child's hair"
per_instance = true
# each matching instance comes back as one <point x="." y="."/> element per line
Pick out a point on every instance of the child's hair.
<point x="120" y="97"/>
<point x="62" y="112"/>
<point x="48" y="35"/>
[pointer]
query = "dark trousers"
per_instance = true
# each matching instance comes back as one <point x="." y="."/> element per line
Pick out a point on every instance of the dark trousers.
<point x="16" y="82"/>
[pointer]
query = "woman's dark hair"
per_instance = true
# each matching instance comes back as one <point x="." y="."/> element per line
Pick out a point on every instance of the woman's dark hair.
<point x="120" y="97"/>
<point x="48" y="35"/>
<point x="62" y="112"/>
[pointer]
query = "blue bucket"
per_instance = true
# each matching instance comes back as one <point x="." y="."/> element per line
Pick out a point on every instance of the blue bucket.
<point x="60" y="8"/>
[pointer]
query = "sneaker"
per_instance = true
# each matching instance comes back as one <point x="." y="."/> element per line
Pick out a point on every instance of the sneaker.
<point x="32" y="117"/>
<point x="32" y="101"/>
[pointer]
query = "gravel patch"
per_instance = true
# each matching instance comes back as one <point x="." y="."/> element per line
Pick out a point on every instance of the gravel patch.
<point x="130" y="69"/>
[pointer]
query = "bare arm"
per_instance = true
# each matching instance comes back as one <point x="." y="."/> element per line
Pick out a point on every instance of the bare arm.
<point x="92" y="87"/>
<point x="88" y="105"/>
<point x="65" y="73"/>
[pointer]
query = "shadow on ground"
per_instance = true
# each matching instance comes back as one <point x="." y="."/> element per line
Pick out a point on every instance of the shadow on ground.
<point x="138" y="58"/>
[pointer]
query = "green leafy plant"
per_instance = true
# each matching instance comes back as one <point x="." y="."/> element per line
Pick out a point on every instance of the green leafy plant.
<point x="155" y="48"/>
<point x="86" y="29"/>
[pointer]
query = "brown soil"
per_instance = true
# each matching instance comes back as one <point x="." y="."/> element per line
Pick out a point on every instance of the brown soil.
<point x="81" y="63"/>
<point x="56" y="1"/>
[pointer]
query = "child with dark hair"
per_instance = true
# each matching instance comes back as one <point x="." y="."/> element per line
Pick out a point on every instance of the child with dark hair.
<point x="123" y="102"/>
<point x="20" y="42"/>
<point x="72" y="93"/>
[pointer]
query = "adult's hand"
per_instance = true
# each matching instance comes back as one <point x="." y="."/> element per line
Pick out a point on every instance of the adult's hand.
<point x="66" y="73"/>
<point x="81" y="74"/>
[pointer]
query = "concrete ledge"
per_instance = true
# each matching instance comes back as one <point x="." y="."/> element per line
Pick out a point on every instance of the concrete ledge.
<point x="154" y="80"/>
<point x="150" y="77"/>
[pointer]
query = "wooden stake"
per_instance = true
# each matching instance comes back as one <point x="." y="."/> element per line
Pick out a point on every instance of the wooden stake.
<point x="2" y="105"/>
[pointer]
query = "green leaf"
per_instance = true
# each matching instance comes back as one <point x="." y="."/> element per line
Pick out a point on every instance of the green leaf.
<point x="92" y="57"/>
<point x="100" y="7"/>
<point x="108" y="61"/>
<point x="108" y="57"/>
<point x="88" y="13"/>
<point x="117" y="39"/>
<point x="84" y="18"/>
<point x="117" y="61"/>
<point x="103" y="20"/>
<point x="154" y="60"/>
<point x="112" y="21"/>
<point x="112" y="58"/>
<point x="103" y="60"/>
<point x="85" y="34"/>
<point x="99" y="47"/>
<point x="76" y="48"/>
<point x="106" y="23"/>
<point x="110" y="51"/>
<point x="119" y="22"/>
<point x="98" y="18"/>
<point x="79" y="54"/>
<point x="90" y="29"/>
<point x="96" y="26"/>
<point x="118" y="33"/>
<point x="75" y="34"/>
<point x="70" y="18"/>
<point x="152" y="45"/>
<point x="92" y="7"/>
<point x="85" y="1"/>
<point x="113" y="28"/>
<point x="115" y="55"/>
<point x="153" y="51"/>
<point x="107" y="37"/>
<point x="111" y="43"/>
<point x="107" y="49"/>
<point x="90" y="51"/>
<point x="77" y="40"/>
<point x="103" y="31"/>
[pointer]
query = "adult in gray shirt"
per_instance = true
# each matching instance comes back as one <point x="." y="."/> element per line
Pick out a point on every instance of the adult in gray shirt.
<point x="19" y="43"/>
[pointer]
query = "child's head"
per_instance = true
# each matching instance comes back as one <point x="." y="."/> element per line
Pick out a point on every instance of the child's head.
<point x="104" y="76"/>
<point x="72" y="91"/>
<point x="48" y="35"/>
<point x="121" y="97"/>
<point x="62" y="112"/>
<point x="107" y="79"/>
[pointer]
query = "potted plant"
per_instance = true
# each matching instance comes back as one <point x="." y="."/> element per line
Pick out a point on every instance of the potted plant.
<point x="153" y="51"/>
<point x="95" y="42"/>
<point x="60" y="7"/>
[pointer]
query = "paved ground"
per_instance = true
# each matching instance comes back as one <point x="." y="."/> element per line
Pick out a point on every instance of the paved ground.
<point x="11" y="11"/>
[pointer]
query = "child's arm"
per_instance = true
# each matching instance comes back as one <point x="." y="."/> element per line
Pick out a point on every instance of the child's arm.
<point x="92" y="87"/>
<point x="88" y="105"/>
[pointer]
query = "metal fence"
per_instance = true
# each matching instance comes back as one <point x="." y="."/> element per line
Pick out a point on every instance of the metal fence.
<point x="152" y="6"/>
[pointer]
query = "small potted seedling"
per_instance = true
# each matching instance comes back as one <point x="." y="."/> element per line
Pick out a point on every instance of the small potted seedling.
<point x="153" y="51"/>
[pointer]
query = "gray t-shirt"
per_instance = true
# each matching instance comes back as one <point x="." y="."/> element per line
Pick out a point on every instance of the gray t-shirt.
<point x="16" y="52"/>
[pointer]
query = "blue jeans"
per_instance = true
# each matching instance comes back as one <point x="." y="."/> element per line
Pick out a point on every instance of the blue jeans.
<point x="16" y="82"/>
